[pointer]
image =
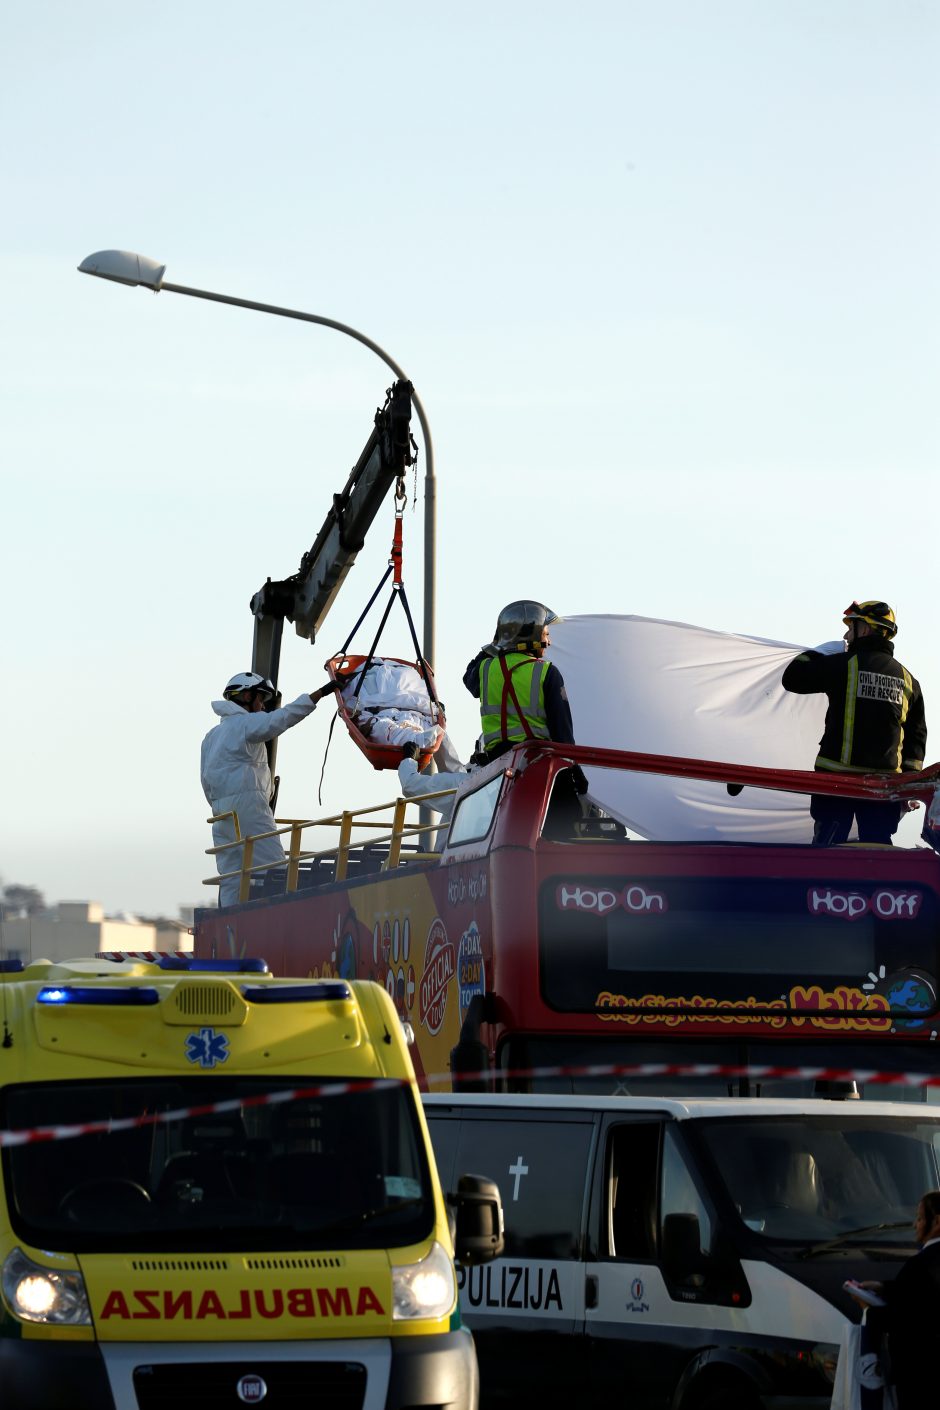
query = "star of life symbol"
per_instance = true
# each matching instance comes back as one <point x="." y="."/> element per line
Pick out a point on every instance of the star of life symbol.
<point x="207" y="1047"/>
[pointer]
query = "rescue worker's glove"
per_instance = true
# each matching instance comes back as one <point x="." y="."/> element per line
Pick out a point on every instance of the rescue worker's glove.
<point x="317" y="695"/>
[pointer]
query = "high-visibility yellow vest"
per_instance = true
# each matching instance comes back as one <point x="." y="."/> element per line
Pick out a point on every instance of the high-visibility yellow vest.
<point x="501" y="719"/>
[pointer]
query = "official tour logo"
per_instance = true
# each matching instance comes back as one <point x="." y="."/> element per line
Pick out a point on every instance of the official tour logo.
<point x="471" y="975"/>
<point x="440" y="964"/>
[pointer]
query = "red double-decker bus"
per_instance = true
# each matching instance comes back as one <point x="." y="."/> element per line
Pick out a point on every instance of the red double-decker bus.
<point x="538" y="943"/>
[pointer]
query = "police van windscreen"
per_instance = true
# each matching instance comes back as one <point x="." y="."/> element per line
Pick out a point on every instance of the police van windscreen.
<point x="738" y="938"/>
<point x="344" y="1171"/>
<point x="830" y="1182"/>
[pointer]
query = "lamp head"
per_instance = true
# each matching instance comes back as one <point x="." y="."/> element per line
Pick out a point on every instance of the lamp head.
<point x="124" y="267"/>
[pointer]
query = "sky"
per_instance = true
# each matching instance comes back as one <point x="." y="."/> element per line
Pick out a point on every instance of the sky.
<point x="665" y="276"/>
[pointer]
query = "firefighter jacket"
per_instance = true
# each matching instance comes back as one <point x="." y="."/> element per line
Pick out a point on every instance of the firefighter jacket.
<point x="557" y="709"/>
<point x="875" y="717"/>
<point x="512" y="698"/>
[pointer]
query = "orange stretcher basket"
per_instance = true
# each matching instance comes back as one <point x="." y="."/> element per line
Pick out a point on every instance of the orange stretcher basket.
<point x="380" y="754"/>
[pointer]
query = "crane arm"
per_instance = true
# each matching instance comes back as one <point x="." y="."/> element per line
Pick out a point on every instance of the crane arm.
<point x="306" y="596"/>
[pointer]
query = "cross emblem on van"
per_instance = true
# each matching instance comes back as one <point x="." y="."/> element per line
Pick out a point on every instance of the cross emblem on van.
<point x="518" y="1170"/>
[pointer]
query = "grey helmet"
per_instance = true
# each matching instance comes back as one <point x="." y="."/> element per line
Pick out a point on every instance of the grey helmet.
<point x="520" y="625"/>
<point x="249" y="680"/>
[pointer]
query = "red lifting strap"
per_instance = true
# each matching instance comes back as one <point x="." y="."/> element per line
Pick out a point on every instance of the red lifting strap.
<point x="395" y="559"/>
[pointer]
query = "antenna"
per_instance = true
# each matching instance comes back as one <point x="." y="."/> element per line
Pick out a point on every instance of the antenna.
<point x="7" y="1040"/>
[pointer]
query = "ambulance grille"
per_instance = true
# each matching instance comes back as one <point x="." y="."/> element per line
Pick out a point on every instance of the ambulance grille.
<point x="204" y="1000"/>
<point x="261" y="1265"/>
<point x="240" y="1379"/>
<point x="180" y="1265"/>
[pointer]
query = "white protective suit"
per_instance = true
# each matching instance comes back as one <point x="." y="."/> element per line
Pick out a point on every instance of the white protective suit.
<point x="416" y="785"/>
<point x="236" y="778"/>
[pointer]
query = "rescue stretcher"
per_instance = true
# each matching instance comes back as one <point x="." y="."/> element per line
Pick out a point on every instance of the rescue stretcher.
<point x="344" y="667"/>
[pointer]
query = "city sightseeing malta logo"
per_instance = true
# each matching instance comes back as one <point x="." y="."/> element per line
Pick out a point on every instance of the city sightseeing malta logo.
<point x="207" y="1048"/>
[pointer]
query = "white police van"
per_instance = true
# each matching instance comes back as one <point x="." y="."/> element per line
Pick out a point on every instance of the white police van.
<point x="683" y="1254"/>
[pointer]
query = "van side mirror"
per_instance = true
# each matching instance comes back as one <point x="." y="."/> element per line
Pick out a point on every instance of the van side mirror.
<point x="479" y="1210"/>
<point x="682" y="1245"/>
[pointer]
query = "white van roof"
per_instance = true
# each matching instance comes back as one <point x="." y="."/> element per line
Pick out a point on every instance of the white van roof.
<point x="683" y="1108"/>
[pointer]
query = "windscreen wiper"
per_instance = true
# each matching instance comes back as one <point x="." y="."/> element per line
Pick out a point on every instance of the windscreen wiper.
<point x="365" y="1216"/>
<point x="850" y="1234"/>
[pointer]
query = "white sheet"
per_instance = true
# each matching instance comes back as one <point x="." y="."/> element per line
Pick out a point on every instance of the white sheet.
<point x="391" y="683"/>
<point x="394" y="701"/>
<point x="670" y="688"/>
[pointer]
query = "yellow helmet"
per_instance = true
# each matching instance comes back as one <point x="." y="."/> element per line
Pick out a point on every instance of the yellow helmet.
<point x="877" y="614"/>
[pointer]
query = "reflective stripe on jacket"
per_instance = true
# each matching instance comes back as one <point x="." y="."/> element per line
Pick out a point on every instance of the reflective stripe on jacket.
<point x="875" y="719"/>
<point x="500" y="718"/>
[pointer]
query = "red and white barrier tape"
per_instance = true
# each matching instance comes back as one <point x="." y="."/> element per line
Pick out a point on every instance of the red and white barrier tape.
<point x="755" y="1071"/>
<point x="26" y="1135"/>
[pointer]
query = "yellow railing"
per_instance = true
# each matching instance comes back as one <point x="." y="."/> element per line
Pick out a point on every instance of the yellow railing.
<point x="348" y="822"/>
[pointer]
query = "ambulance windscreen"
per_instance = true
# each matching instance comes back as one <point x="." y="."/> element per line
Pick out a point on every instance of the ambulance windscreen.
<point x="222" y="1164"/>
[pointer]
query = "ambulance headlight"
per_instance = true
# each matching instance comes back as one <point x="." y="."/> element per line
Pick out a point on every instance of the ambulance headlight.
<point x="37" y="1294"/>
<point x="425" y="1289"/>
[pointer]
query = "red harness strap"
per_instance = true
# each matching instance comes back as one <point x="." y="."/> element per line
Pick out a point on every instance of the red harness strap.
<point x="509" y="692"/>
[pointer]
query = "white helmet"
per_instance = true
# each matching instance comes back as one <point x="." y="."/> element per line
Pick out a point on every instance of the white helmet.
<point x="249" y="680"/>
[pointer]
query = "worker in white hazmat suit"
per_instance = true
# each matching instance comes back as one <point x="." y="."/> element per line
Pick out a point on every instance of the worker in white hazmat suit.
<point x="235" y="773"/>
<point x="450" y="779"/>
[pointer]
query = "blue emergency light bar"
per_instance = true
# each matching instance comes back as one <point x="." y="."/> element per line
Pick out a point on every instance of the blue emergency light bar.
<point x="11" y="966"/>
<point x="297" y="993"/>
<point x="233" y="966"/>
<point x="75" y="994"/>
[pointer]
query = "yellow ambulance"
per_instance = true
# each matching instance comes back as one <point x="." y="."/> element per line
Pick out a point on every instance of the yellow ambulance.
<point x="217" y="1189"/>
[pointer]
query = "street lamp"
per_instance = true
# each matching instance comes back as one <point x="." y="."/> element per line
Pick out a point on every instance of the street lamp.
<point x="124" y="267"/>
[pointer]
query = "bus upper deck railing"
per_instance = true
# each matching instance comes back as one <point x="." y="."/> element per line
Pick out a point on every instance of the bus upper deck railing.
<point x="923" y="786"/>
<point x="347" y="821"/>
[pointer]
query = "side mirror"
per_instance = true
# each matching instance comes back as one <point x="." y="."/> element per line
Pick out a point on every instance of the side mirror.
<point x="479" y="1210"/>
<point x="682" y="1245"/>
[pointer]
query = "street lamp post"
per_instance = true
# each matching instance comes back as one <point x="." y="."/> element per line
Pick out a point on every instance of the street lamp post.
<point x="124" y="267"/>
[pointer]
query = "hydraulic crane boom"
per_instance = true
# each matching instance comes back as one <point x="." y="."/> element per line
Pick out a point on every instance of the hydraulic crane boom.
<point x="307" y="595"/>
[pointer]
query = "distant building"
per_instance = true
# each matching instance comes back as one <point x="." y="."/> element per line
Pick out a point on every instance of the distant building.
<point x="81" y="930"/>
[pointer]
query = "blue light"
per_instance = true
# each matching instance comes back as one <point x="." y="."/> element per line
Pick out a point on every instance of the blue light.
<point x="248" y="966"/>
<point x="297" y="993"/>
<point x="73" y="994"/>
